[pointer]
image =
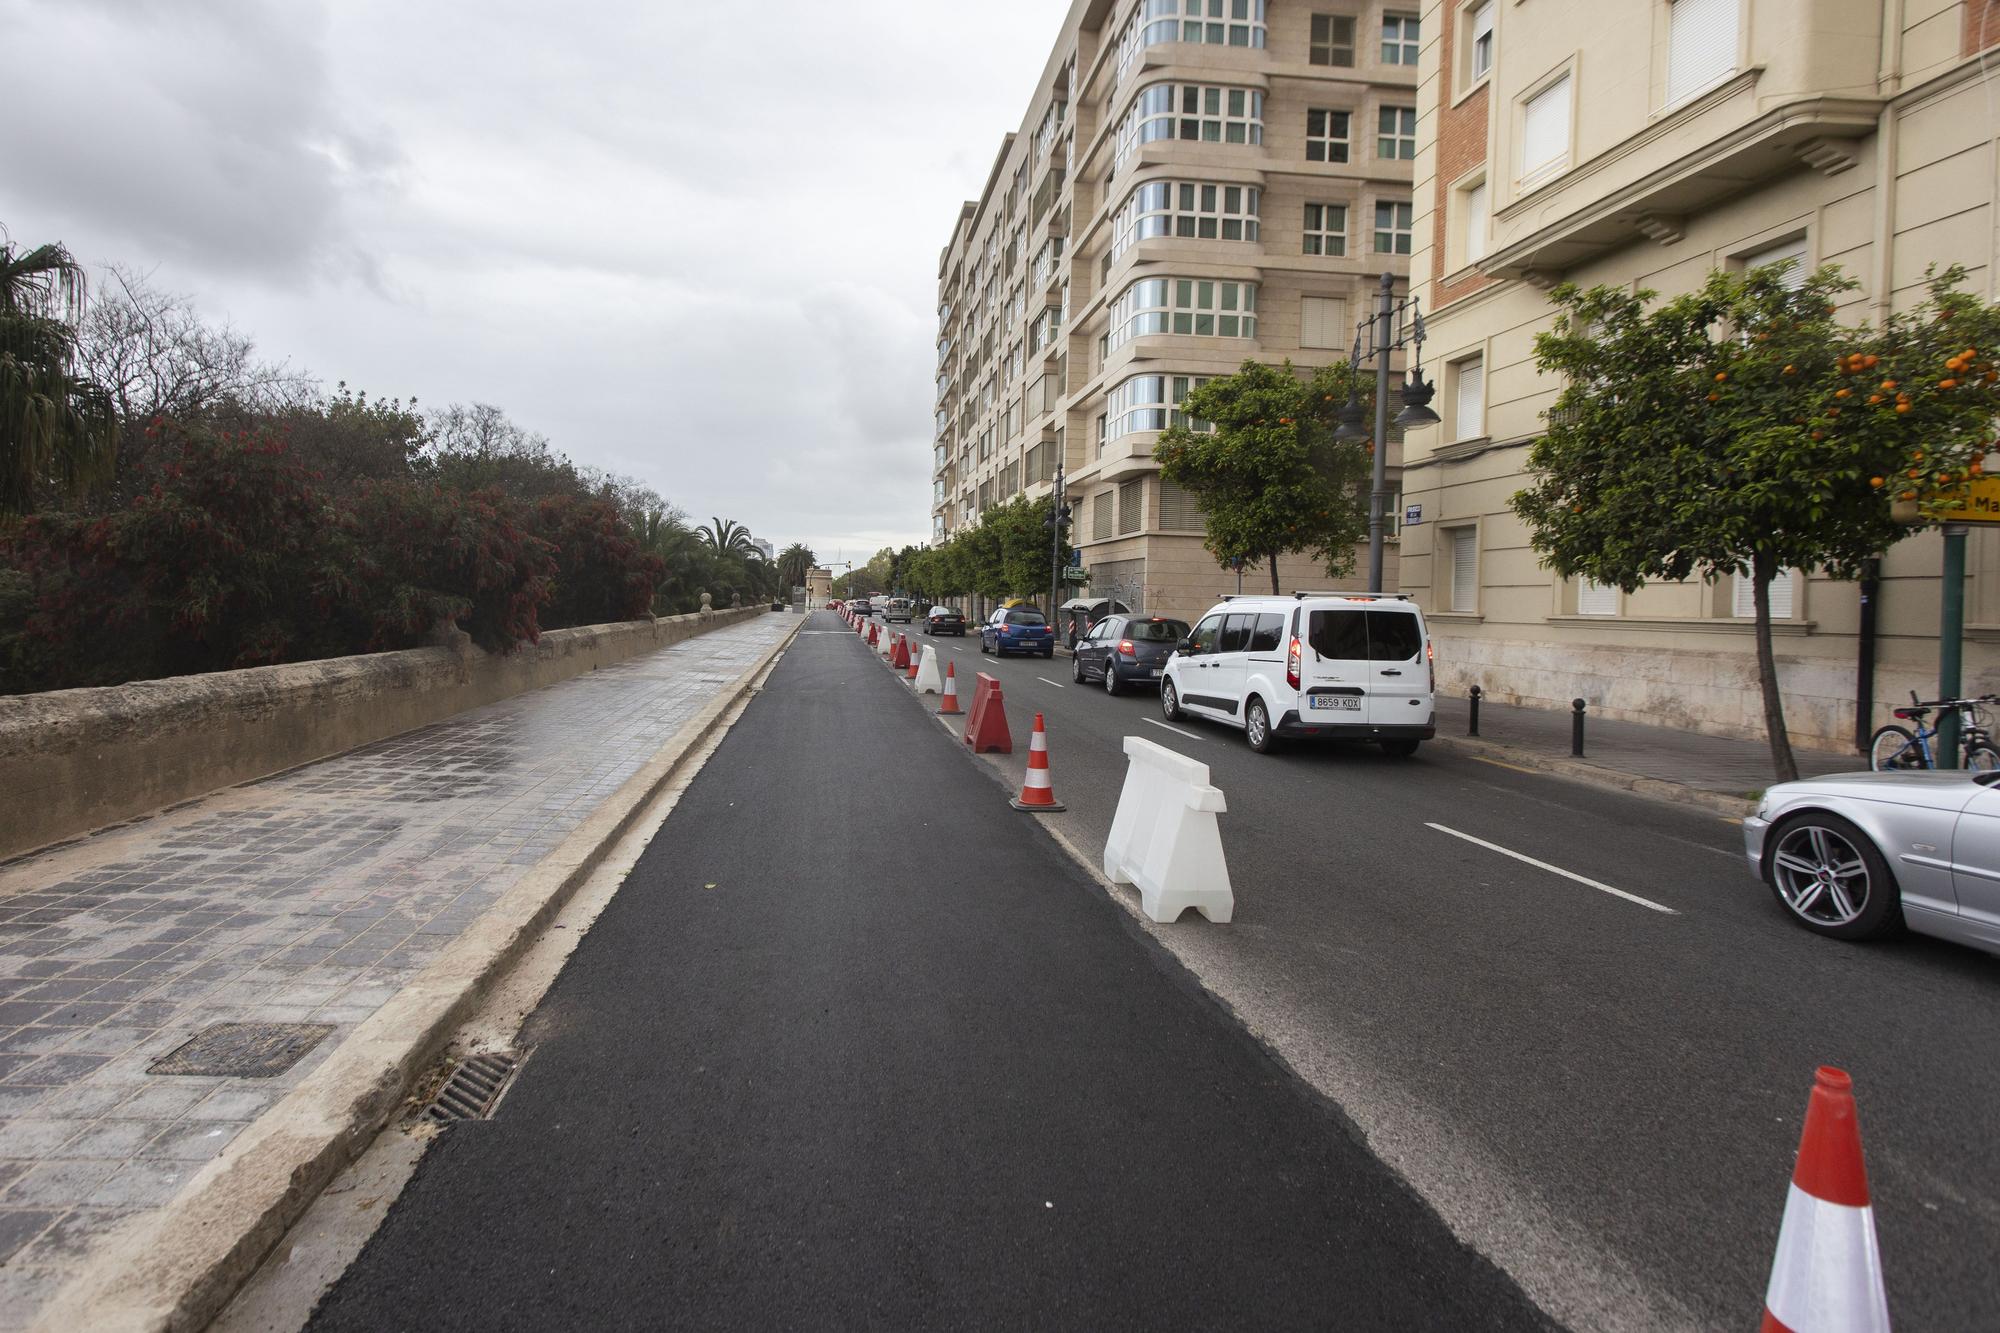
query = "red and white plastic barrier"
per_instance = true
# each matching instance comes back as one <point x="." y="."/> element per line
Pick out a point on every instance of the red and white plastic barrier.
<point x="1827" y="1276"/>
<point x="1036" y="792"/>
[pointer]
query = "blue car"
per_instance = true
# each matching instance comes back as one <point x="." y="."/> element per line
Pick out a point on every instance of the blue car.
<point x="1017" y="629"/>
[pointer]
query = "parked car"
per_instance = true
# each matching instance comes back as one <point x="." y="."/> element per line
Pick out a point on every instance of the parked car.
<point x="944" y="620"/>
<point x="899" y="608"/>
<point x="1331" y="666"/>
<point x="862" y="607"/>
<point x="1017" y="629"/>
<point x="1125" y="650"/>
<point x="1856" y="855"/>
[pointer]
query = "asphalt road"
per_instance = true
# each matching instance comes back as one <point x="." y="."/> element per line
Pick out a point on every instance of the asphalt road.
<point x="1602" y="1097"/>
<point x="795" y="1078"/>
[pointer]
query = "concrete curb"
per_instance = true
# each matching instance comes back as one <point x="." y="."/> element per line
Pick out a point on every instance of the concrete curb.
<point x="1735" y="807"/>
<point x="176" y="1267"/>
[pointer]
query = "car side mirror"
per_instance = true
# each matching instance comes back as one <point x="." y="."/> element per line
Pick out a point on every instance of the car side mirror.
<point x="1185" y="647"/>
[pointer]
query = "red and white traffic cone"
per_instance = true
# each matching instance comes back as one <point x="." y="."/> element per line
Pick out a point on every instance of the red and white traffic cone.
<point x="948" y="702"/>
<point x="916" y="658"/>
<point x="1828" y="1272"/>
<point x="1036" y="794"/>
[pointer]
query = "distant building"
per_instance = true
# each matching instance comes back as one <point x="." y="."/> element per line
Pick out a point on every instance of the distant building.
<point x="819" y="586"/>
<point x="769" y="551"/>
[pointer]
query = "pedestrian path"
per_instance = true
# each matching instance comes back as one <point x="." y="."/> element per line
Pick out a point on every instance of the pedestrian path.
<point x="1725" y="765"/>
<point x="306" y="899"/>
<point x="856" y="1045"/>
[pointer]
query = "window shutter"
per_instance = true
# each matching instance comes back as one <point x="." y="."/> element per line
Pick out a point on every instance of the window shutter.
<point x="1322" y="322"/>
<point x="1470" y="422"/>
<point x="1464" y="569"/>
<point x="1596" y="599"/>
<point x="1782" y="600"/>
<point x="1482" y="39"/>
<point x="1475" y="222"/>
<point x="1100" y="516"/>
<point x="1131" y="506"/>
<point x="1701" y="46"/>
<point x="1794" y="276"/>
<point x="1178" y="510"/>
<point x="1545" y="128"/>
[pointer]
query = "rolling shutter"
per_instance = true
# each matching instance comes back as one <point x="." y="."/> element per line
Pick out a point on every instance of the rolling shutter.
<point x="1782" y="600"/>
<point x="1464" y="569"/>
<point x="1322" y="322"/>
<point x="1470" y="422"/>
<point x="1178" y="510"/>
<point x="1545" y="128"/>
<point x="1475" y="222"/>
<point x="1131" y="506"/>
<point x="1791" y="253"/>
<point x="1701" y="48"/>
<point x="1100" y="516"/>
<point x="1596" y="599"/>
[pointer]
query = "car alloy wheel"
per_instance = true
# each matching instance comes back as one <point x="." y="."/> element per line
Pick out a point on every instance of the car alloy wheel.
<point x="1257" y="727"/>
<point x="1170" y="701"/>
<point x="1076" y="669"/>
<point x="1831" y="878"/>
<point x="1110" y="677"/>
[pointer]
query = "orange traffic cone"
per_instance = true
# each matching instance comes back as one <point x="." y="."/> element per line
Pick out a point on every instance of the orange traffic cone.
<point x="916" y="659"/>
<point x="873" y="637"/>
<point x="948" y="703"/>
<point x="1828" y="1271"/>
<point x="1036" y="794"/>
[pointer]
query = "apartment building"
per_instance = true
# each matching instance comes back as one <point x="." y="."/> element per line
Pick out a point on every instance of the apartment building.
<point x="1642" y="143"/>
<point x="1194" y="183"/>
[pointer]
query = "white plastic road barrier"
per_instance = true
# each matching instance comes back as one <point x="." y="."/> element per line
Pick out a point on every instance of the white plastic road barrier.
<point x="887" y="648"/>
<point x="1165" y="838"/>
<point x="928" y="680"/>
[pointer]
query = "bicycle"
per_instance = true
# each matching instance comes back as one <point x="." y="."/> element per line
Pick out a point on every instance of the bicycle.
<point x="1896" y="749"/>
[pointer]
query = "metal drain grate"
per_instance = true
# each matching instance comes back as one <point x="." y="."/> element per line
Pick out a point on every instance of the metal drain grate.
<point x="473" y="1087"/>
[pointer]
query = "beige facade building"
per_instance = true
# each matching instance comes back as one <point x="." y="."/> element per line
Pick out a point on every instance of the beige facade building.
<point x="1641" y="143"/>
<point x="1194" y="182"/>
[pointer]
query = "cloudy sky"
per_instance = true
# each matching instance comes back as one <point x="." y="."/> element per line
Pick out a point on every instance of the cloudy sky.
<point x="693" y="243"/>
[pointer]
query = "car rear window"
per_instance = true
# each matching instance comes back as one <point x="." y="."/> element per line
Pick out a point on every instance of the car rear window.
<point x="1365" y="636"/>
<point x="1025" y="618"/>
<point x="1156" y="631"/>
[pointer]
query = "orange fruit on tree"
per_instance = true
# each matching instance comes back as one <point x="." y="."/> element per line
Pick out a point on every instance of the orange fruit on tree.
<point x="1721" y="375"/>
<point x="1791" y="370"/>
<point x="1947" y="384"/>
<point x="1902" y="407"/>
<point x="1874" y="397"/>
<point x="1876" y="482"/>
<point x="1907" y="495"/>
<point x="1868" y="362"/>
<point x="1842" y="393"/>
<point x="1914" y="473"/>
<point x="1888" y="384"/>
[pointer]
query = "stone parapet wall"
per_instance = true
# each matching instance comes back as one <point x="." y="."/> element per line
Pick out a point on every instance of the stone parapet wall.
<point x="75" y="760"/>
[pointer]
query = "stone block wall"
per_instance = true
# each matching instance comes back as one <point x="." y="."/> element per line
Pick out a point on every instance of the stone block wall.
<point x="75" y="760"/>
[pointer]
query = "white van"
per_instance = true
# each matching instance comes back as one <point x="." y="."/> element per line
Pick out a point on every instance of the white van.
<point x="1331" y="666"/>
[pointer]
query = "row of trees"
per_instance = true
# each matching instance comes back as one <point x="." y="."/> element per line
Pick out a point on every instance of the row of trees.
<point x="169" y="503"/>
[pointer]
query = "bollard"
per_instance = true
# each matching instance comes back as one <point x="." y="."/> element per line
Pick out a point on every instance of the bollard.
<point x="1576" y="707"/>
<point x="1472" y="695"/>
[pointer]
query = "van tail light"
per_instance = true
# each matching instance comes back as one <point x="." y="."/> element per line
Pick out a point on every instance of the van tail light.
<point x="1292" y="663"/>
<point x="1431" y="663"/>
<point x="1125" y="648"/>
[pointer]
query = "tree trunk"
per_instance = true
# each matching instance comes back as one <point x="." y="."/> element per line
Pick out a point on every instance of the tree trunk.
<point x="1763" y="568"/>
<point x="1274" y="573"/>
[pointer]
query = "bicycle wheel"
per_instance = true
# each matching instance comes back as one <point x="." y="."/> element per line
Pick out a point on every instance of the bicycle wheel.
<point x="1981" y="757"/>
<point x="1893" y="747"/>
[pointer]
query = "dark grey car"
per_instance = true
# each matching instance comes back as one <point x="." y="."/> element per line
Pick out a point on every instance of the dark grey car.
<point x="1126" y="650"/>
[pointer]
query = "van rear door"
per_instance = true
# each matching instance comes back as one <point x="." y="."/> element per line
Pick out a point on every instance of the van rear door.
<point x="1399" y="684"/>
<point x="1334" y="675"/>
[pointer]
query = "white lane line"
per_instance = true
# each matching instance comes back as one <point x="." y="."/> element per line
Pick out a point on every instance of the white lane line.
<point x="1176" y="730"/>
<point x="994" y="660"/>
<point x="1046" y="681"/>
<point x="1556" y="870"/>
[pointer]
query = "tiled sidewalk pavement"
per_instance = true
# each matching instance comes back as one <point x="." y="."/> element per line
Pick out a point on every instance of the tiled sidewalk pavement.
<point x="309" y="897"/>
<point x="1733" y="765"/>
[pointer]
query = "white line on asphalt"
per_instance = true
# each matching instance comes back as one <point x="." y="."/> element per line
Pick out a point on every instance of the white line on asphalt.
<point x="1046" y="681"/>
<point x="994" y="660"/>
<point x="1556" y="870"/>
<point x="1176" y="730"/>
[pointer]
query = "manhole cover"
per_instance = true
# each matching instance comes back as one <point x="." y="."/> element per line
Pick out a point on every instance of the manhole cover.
<point x="245" y="1050"/>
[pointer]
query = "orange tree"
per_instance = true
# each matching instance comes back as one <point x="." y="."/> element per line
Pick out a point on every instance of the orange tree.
<point x="1256" y="450"/>
<point x="1741" y="429"/>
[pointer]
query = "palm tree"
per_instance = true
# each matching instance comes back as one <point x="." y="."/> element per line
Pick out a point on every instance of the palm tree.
<point x="793" y="563"/>
<point x="726" y="537"/>
<point x="55" y="427"/>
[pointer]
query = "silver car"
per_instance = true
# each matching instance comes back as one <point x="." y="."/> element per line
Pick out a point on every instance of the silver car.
<point x="1853" y="855"/>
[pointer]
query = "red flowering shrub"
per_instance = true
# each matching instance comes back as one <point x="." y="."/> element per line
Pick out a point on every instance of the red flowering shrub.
<point x="602" y="575"/>
<point x="437" y="554"/>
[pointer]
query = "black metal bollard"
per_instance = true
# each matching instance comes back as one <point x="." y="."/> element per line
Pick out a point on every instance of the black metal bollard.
<point x="1576" y="707"/>
<point x="1472" y="696"/>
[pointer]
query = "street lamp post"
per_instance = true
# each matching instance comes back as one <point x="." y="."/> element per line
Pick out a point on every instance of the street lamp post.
<point x="1058" y="517"/>
<point x="1393" y="326"/>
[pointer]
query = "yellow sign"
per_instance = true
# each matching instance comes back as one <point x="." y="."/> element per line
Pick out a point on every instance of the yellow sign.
<point x="1979" y="500"/>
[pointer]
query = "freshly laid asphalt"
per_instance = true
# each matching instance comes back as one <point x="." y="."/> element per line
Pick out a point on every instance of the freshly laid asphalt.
<point x="856" y="1044"/>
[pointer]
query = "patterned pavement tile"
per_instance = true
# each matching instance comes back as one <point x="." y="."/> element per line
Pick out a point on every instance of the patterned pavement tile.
<point x="314" y="895"/>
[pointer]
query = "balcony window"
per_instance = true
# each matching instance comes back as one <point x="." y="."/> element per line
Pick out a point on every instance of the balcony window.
<point x="1326" y="135"/>
<point x="1468" y="421"/>
<point x="1396" y="138"/>
<point x="1332" y="41"/>
<point x="1198" y="307"/>
<point x="1152" y="402"/>
<point x="1326" y="229"/>
<point x="1473" y="216"/>
<point x="1399" y="39"/>
<point x="1189" y="111"/>
<point x="1392" y="229"/>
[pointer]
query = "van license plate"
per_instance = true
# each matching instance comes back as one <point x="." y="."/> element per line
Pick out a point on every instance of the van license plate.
<point x="1334" y="703"/>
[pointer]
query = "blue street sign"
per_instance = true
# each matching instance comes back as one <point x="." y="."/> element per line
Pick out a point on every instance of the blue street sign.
<point x="1076" y="557"/>
<point x="1413" y="514"/>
